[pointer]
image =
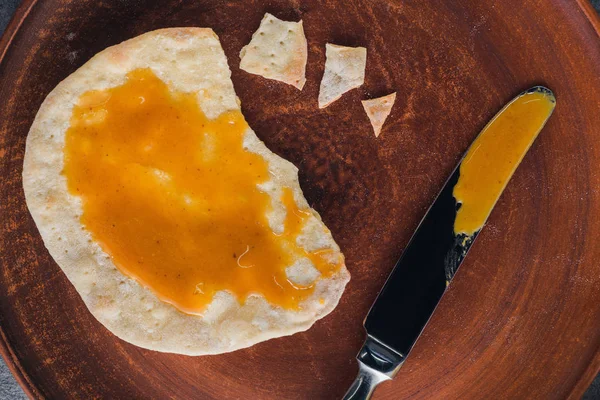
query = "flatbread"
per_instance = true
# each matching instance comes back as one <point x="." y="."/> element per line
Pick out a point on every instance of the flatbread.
<point x="344" y="70"/>
<point x="190" y="60"/>
<point x="378" y="110"/>
<point x="278" y="51"/>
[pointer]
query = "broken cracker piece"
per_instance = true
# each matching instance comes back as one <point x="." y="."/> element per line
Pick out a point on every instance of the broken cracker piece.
<point x="278" y="51"/>
<point x="344" y="70"/>
<point x="378" y="110"/>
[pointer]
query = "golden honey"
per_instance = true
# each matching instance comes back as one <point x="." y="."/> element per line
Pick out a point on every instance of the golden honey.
<point x="172" y="197"/>
<point x="495" y="155"/>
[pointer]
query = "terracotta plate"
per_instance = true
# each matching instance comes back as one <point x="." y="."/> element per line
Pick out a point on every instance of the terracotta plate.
<point x="522" y="318"/>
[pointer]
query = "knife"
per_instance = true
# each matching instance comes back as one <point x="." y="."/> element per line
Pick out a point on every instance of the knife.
<point x="443" y="238"/>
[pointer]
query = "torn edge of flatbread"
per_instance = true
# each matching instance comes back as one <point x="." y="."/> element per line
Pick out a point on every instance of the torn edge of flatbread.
<point x="344" y="70"/>
<point x="378" y="110"/>
<point x="277" y="50"/>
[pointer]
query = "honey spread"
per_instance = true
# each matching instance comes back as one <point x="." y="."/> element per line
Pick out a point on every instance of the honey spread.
<point x="495" y="155"/>
<point x="172" y="197"/>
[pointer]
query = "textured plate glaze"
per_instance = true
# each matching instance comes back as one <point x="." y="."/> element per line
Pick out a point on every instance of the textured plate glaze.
<point x="522" y="318"/>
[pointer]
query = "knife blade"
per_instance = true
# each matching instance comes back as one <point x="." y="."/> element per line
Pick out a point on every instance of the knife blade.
<point x="443" y="238"/>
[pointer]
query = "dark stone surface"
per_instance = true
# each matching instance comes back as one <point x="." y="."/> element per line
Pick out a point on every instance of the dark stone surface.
<point x="9" y="389"/>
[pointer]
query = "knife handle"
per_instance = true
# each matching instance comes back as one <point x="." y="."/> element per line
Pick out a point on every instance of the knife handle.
<point x="364" y="385"/>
